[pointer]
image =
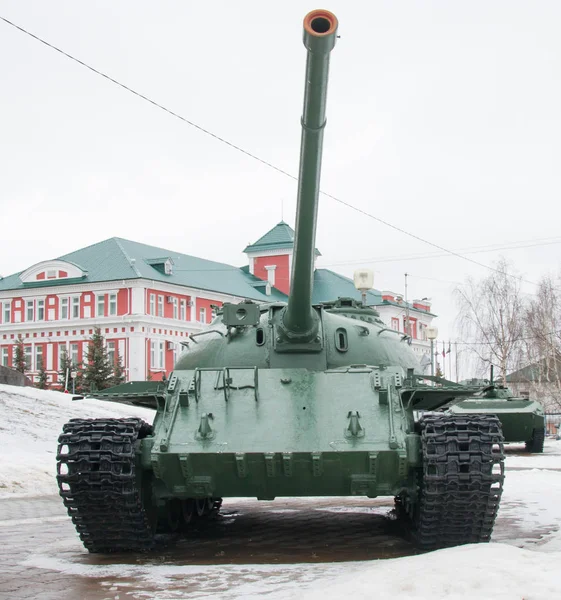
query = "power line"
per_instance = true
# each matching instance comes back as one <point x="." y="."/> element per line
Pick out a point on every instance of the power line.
<point x="251" y="155"/>
<point x="468" y="250"/>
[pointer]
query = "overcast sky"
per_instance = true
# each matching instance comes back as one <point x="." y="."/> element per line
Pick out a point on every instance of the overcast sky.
<point x="444" y="119"/>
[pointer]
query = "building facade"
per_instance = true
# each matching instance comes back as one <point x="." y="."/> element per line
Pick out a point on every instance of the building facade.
<point x="148" y="300"/>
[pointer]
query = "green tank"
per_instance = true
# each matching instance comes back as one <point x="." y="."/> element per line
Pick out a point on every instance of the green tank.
<point x="286" y="400"/>
<point x="522" y="419"/>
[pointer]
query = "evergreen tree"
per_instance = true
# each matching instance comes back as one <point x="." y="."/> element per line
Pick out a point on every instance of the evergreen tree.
<point x="19" y="357"/>
<point x="42" y="383"/>
<point x="118" y="371"/>
<point x="98" y="372"/>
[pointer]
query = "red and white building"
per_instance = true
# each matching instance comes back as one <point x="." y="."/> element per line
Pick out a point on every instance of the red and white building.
<point x="147" y="300"/>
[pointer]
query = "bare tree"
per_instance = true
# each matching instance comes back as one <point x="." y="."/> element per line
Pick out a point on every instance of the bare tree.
<point x="543" y="341"/>
<point x="491" y="318"/>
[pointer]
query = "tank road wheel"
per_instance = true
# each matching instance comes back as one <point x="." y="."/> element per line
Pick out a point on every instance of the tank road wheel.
<point x="187" y="511"/>
<point x="174" y="514"/>
<point x="102" y="485"/>
<point x="203" y="506"/>
<point x="461" y="481"/>
<point x="535" y="444"/>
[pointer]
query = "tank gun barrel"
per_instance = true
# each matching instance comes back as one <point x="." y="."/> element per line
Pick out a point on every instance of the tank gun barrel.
<point x="320" y="33"/>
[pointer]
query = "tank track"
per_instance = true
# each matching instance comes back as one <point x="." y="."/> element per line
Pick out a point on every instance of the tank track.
<point x="99" y="483"/>
<point x="461" y="482"/>
<point x="537" y="441"/>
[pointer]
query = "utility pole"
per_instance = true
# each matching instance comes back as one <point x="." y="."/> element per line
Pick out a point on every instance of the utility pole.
<point x="407" y="326"/>
<point x="457" y="371"/>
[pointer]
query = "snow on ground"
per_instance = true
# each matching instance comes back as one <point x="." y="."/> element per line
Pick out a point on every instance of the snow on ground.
<point x="522" y="563"/>
<point x="30" y="423"/>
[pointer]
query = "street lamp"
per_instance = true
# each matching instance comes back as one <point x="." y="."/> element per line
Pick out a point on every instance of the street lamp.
<point x="364" y="281"/>
<point x="432" y="333"/>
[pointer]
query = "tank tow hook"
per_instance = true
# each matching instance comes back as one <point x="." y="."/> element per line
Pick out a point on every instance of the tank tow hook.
<point x="205" y="431"/>
<point x="354" y="428"/>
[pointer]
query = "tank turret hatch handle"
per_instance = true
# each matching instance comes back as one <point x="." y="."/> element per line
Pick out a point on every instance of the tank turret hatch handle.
<point x="320" y="33"/>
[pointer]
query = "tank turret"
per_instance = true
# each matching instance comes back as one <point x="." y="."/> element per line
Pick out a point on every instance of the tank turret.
<point x="287" y="399"/>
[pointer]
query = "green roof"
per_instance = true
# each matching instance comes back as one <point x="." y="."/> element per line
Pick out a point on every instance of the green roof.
<point x="280" y="237"/>
<point x="117" y="259"/>
<point x="329" y="286"/>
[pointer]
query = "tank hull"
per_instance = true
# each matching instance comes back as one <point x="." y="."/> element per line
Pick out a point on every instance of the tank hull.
<point x="519" y="418"/>
<point x="280" y="432"/>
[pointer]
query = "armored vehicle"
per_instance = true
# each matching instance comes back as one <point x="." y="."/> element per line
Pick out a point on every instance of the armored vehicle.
<point x="522" y="420"/>
<point x="283" y="400"/>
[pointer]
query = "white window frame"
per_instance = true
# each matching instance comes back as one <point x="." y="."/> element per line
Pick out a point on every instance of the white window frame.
<point x="40" y="310"/>
<point x="100" y="303"/>
<point x="152" y="306"/>
<point x="111" y="347"/>
<point x="157" y="354"/>
<point x="202" y="314"/>
<point x="28" y="357"/>
<point x="38" y="356"/>
<point x="7" y="312"/>
<point x="112" y="305"/>
<point x="75" y="305"/>
<point x="61" y="347"/>
<point x="5" y="356"/>
<point x="175" y="304"/>
<point x="160" y="306"/>
<point x="29" y="306"/>
<point x="183" y="310"/>
<point x="63" y="303"/>
<point x="74" y="356"/>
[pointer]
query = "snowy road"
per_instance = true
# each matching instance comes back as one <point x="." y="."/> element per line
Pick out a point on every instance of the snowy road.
<point x="281" y="548"/>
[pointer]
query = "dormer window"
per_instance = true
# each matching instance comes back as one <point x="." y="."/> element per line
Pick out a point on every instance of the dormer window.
<point x="52" y="270"/>
<point x="163" y="265"/>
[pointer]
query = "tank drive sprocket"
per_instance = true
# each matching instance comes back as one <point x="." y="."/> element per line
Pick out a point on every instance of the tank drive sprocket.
<point x="461" y="481"/>
<point x="101" y="484"/>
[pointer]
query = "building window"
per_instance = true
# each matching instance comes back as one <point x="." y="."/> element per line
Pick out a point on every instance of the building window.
<point x="175" y="308"/>
<point x="5" y="356"/>
<point x="27" y="357"/>
<point x="112" y="305"/>
<point x="395" y="323"/>
<point x="111" y="352"/>
<point x="74" y="354"/>
<point x="213" y="312"/>
<point x="157" y="355"/>
<point x="76" y="307"/>
<point x="63" y="308"/>
<point x="40" y="310"/>
<point x="152" y="310"/>
<point x="183" y="310"/>
<point x="29" y="310"/>
<point x="6" y="312"/>
<point x="61" y="353"/>
<point x="202" y="315"/>
<point x="101" y="306"/>
<point x="38" y="357"/>
<point x="160" y="306"/>
<point x="85" y="352"/>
